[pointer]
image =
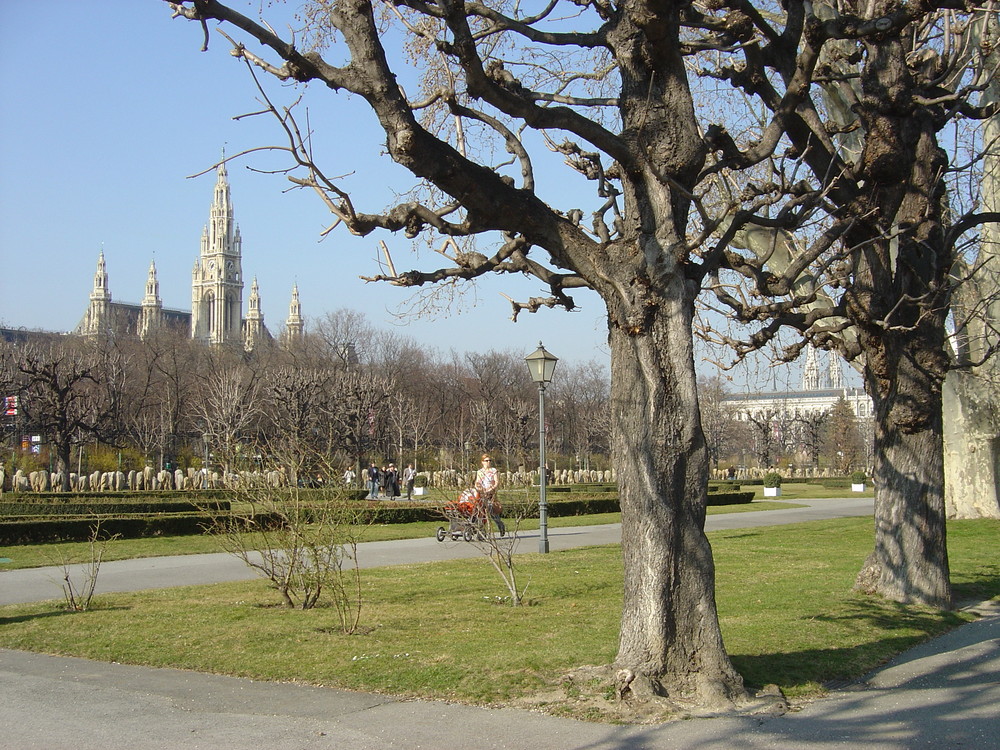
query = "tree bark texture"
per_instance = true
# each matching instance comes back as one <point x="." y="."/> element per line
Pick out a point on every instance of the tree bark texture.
<point x="909" y="562"/>
<point x="670" y="639"/>
<point x="898" y="304"/>
<point x="972" y="395"/>
<point x="972" y="446"/>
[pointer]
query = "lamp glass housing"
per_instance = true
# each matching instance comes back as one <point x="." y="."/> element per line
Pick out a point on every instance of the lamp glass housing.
<point x="541" y="364"/>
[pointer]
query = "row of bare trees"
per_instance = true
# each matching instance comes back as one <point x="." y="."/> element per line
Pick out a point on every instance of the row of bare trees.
<point x="383" y="398"/>
<point x="347" y="392"/>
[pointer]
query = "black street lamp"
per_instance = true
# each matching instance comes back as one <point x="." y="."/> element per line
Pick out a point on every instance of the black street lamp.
<point x="541" y="366"/>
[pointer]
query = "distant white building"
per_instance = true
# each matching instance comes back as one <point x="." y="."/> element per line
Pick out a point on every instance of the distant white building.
<point x="790" y="422"/>
<point x="821" y="389"/>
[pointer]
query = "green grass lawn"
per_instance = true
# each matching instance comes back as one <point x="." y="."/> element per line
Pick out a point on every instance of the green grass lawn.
<point x="435" y="630"/>
<point x="792" y="490"/>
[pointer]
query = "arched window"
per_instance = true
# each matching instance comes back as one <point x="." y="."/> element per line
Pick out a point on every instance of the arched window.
<point x="209" y="307"/>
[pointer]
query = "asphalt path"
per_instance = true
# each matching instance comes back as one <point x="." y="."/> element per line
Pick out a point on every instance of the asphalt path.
<point x="943" y="694"/>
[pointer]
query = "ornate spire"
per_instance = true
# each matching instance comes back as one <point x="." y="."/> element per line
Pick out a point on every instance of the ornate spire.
<point x="294" y="324"/>
<point x="253" y="332"/>
<point x="152" y="287"/>
<point x="220" y="231"/>
<point x="217" y="278"/>
<point x="836" y="372"/>
<point x="152" y="307"/>
<point x="810" y="372"/>
<point x="254" y="301"/>
<point x="101" y="289"/>
<point x="97" y="320"/>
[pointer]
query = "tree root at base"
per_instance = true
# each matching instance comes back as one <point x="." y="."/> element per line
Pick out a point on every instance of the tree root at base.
<point x="608" y="695"/>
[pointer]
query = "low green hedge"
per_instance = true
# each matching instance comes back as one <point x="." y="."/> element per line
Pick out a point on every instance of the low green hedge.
<point x="199" y="497"/>
<point x="578" y="506"/>
<point x="832" y="483"/>
<point x="730" y="498"/>
<point x="133" y="525"/>
<point x="113" y="508"/>
<point x="80" y="529"/>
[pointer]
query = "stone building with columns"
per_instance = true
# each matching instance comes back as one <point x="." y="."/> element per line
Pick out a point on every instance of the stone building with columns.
<point x="821" y="388"/>
<point x="217" y="285"/>
<point x="791" y="418"/>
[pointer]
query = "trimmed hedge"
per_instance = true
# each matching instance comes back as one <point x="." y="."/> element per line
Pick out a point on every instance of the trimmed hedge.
<point x="579" y="506"/>
<point x="114" y="508"/>
<point x="730" y="498"/>
<point x="79" y="529"/>
<point x="132" y="525"/>
<point x="198" y="497"/>
<point x="832" y="483"/>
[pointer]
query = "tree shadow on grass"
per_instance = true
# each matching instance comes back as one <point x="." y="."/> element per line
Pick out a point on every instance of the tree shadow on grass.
<point x="892" y="628"/>
<point x="14" y="619"/>
<point x="979" y="588"/>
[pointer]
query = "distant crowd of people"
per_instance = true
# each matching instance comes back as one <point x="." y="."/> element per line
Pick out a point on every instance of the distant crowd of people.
<point x="385" y="482"/>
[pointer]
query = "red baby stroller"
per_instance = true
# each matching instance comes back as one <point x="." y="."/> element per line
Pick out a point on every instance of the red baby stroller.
<point x="468" y="517"/>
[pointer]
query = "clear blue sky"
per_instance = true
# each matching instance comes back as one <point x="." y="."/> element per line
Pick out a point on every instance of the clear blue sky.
<point x="109" y="106"/>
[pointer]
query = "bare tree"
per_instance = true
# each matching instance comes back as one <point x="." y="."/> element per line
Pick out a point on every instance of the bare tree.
<point x="516" y="422"/>
<point x="972" y="390"/>
<point x="715" y="417"/>
<point x="297" y="406"/>
<point x="582" y="395"/>
<point x="69" y="390"/>
<point x="841" y="440"/>
<point x="229" y="407"/>
<point x="859" y="236"/>
<point x="765" y="432"/>
<point x="473" y="524"/>
<point x="811" y="430"/>
<point x="358" y="411"/>
<point x="305" y="546"/>
<point x="79" y="594"/>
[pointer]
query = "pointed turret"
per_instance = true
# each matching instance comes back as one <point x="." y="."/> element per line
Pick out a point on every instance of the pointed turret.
<point x="836" y="371"/>
<point x="810" y="371"/>
<point x="294" y="324"/>
<point x="97" y="321"/>
<point x="101" y="289"/>
<point x="152" y="306"/>
<point x="253" y="331"/>
<point x="217" y="278"/>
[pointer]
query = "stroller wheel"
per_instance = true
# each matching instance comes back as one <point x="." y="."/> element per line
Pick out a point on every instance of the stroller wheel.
<point x="468" y="535"/>
<point x="441" y="533"/>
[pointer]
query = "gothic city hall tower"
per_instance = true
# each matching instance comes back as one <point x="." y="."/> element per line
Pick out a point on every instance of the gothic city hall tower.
<point x="216" y="315"/>
<point x="217" y="278"/>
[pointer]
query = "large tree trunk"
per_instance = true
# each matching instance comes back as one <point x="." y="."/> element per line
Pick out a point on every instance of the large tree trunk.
<point x="898" y="303"/>
<point x="910" y="560"/>
<point x="63" y="450"/>
<point x="670" y="643"/>
<point x="972" y="396"/>
<point x="972" y="445"/>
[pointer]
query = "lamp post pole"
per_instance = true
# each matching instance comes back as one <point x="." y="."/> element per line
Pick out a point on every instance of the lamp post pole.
<point x="543" y="506"/>
<point x="541" y="366"/>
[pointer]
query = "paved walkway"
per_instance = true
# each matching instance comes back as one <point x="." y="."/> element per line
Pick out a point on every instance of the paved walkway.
<point x="38" y="584"/>
<point x="944" y="694"/>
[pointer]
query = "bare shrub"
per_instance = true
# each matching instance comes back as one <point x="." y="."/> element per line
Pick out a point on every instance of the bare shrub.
<point x="79" y="595"/>
<point x="303" y="541"/>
